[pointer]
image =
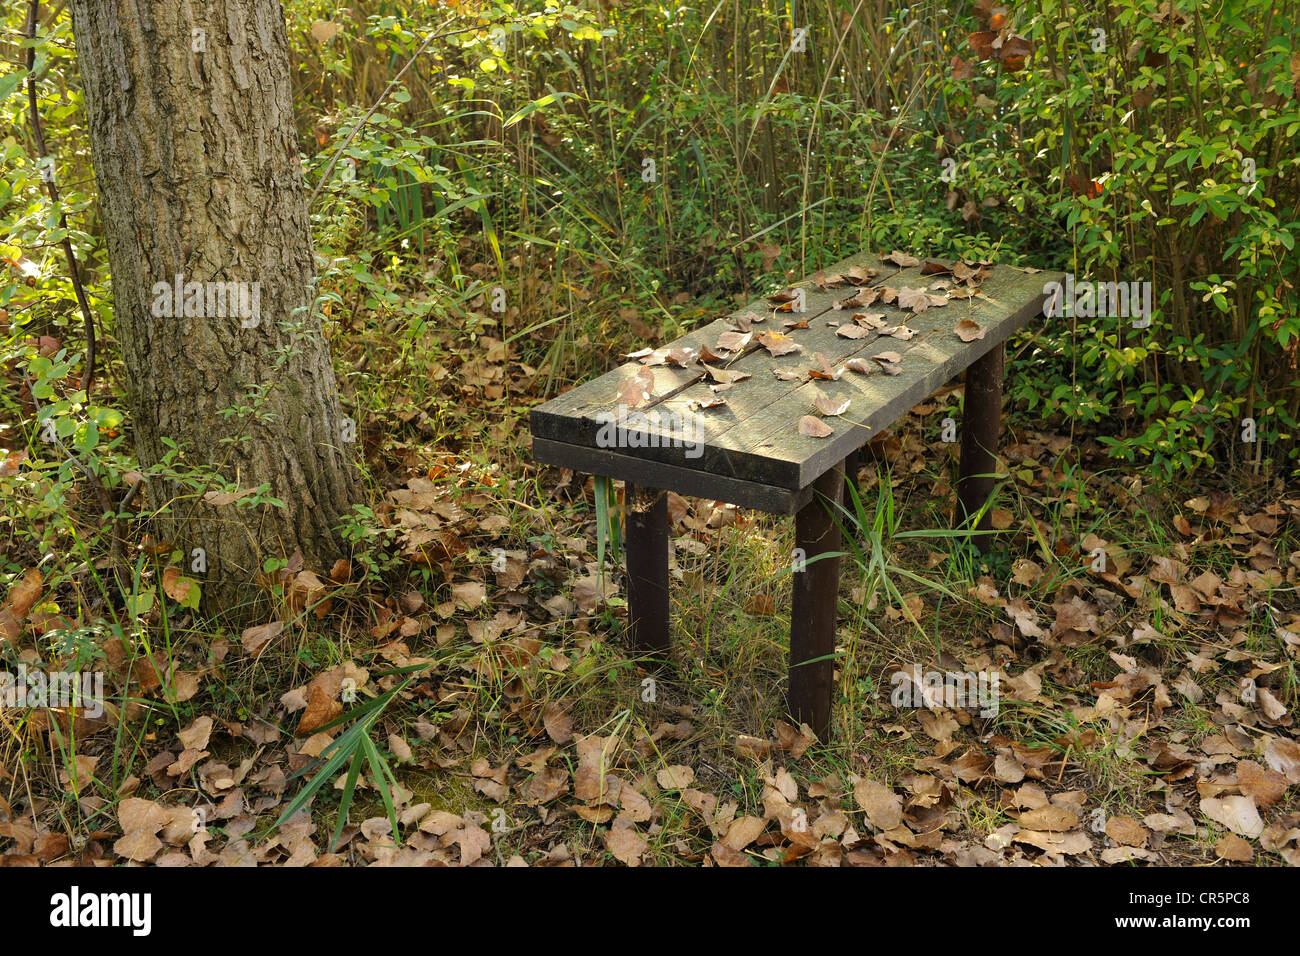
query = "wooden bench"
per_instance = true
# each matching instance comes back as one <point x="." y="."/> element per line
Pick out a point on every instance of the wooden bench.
<point x="654" y="424"/>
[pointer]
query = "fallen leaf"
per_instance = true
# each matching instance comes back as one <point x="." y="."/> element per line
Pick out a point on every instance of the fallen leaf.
<point x="883" y="807"/>
<point x="323" y="31"/>
<point x="778" y="343"/>
<point x="195" y="736"/>
<point x="558" y="722"/>
<point x="625" y="843"/>
<point x="814" y="427"/>
<point x="257" y="637"/>
<point x="1234" y="849"/>
<point x="901" y="259"/>
<point x="1053" y="819"/>
<point x="469" y="594"/>
<point x="1266" y="786"/>
<point x="637" y="388"/>
<point x="1127" y="831"/>
<point x="676" y="777"/>
<point x="736" y="341"/>
<point x="743" y="831"/>
<point x="830" y="406"/>
<point x="1237" y="813"/>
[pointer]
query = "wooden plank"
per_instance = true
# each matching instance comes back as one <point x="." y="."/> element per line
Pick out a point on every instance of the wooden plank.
<point x="685" y="481"/>
<point x="737" y="441"/>
<point x="928" y="361"/>
<point x="571" y="417"/>
<point x="580" y="424"/>
<point x="754" y="438"/>
<point x="757" y="433"/>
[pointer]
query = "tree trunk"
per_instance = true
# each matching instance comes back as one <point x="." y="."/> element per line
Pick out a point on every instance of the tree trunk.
<point x="196" y="160"/>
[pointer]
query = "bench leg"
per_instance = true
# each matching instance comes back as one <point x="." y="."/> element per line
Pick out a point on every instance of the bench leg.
<point x="647" y="569"/>
<point x="812" y="616"/>
<point x="981" y="423"/>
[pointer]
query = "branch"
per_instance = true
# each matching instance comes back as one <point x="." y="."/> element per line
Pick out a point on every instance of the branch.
<point x="88" y="376"/>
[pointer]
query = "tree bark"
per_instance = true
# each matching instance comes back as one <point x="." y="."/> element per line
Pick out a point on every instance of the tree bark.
<point x="193" y="143"/>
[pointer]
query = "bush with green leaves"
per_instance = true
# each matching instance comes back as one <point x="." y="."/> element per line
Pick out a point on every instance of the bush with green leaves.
<point x="1147" y="141"/>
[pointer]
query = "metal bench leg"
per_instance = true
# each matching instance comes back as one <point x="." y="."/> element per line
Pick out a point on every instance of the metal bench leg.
<point x="812" y="616"/>
<point x="981" y="423"/>
<point x="647" y="569"/>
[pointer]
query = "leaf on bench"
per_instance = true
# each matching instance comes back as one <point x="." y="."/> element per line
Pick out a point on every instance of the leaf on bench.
<point x="734" y="341"/>
<point x="778" y="343"/>
<point x="814" y="427"/>
<point x="827" y="372"/>
<point x="900" y="332"/>
<point x="831" y="406"/>
<point x="725" y="376"/>
<point x="636" y="388"/>
<point x="860" y="299"/>
<point x="901" y="259"/>
<point x="889" y="362"/>
<point x="743" y="321"/>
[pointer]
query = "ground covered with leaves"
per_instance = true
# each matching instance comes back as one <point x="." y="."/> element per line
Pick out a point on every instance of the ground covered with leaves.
<point x="1145" y="641"/>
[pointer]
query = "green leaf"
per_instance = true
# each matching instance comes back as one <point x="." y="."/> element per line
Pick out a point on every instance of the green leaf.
<point x="9" y="82"/>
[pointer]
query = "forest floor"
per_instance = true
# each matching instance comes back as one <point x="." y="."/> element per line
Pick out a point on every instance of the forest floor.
<point x="1144" y="712"/>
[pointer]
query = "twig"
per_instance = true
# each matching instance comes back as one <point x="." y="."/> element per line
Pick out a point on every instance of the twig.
<point x="325" y="176"/>
<point x="88" y="376"/>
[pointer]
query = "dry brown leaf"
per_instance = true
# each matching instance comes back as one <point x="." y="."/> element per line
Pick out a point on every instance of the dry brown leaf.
<point x="637" y="388"/>
<point x="1234" y="849"/>
<point x="1127" y="831"/>
<point x="625" y="842"/>
<point x="814" y="427"/>
<point x="1266" y="786"/>
<point x="778" y="343"/>
<point x="825" y="372"/>
<point x="558" y="723"/>
<point x="831" y="406"/>
<point x="1237" y="813"/>
<point x="901" y="259"/>
<point x="743" y="831"/>
<point x="1050" y="818"/>
<point x="1069" y="844"/>
<point x="676" y="777"/>
<point x="882" y="806"/>
<point x="25" y="592"/>
<point x="469" y="594"/>
<point x="257" y="637"/>
<point x="196" y="735"/>
<point x="733" y="341"/>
